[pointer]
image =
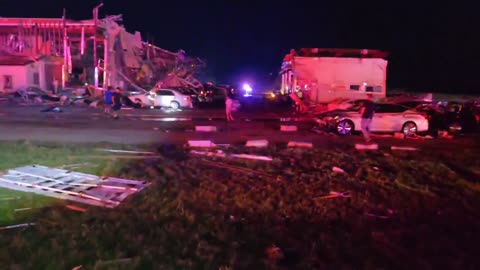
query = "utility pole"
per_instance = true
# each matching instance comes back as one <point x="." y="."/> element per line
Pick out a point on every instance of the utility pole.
<point x="95" y="60"/>
<point x="65" y="53"/>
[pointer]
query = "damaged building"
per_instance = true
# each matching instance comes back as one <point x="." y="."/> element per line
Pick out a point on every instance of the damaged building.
<point x="95" y="51"/>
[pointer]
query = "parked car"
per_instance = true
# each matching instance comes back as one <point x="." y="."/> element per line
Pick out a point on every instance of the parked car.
<point x="164" y="98"/>
<point x="387" y="118"/>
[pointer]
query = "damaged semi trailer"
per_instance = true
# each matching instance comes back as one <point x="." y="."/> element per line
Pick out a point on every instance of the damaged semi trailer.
<point x="323" y="75"/>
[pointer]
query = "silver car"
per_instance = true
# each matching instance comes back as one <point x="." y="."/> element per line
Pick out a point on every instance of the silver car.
<point x="174" y="99"/>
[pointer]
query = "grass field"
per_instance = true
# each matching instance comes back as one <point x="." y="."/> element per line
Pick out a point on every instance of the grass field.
<point x="407" y="210"/>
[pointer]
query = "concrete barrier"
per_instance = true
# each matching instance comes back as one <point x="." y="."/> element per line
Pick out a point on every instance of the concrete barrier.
<point x="257" y="143"/>
<point x="200" y="143"/>
<point x="300" y="144"/>
<point x="288" y="128"/>
<point x="206" y="128"/>
<point x="366" y="146"/>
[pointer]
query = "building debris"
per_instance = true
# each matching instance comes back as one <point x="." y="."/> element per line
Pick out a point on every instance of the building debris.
<point x="17" y="226"/>
<point x="220" y="153"/>
<point x="366" y="146"/>
<point x="79" y="187"/>
<point x="238" y="169"/>
<point x="207" y="144"/>
<point x="338" y="170"/>
<point x="75" y="208"/>
<point x="257" y="143"/>
<point x="115" y="157"/>
<point x="300" y="144"/>
<point x="334" y="194"/>
<point x="288" y="128"/>
<point x="404" y="148"/>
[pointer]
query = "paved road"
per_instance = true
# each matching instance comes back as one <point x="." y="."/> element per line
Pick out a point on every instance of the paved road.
<point x="81" y="124"/>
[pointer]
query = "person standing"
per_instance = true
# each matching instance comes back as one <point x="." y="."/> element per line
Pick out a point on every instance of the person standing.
<point x="116" y="102"/>
<point x="366" y="111"/>
<point x="55" y="86"/>
<point x="108" y="100"/>
<point x="229" y="99"/>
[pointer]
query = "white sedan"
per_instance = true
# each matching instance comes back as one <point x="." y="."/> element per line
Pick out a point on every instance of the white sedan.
<point x="387" y="118"/>
<point x="164" y="98"/>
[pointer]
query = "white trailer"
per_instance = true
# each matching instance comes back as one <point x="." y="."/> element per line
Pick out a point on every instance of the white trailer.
<point x="324" y="75"/>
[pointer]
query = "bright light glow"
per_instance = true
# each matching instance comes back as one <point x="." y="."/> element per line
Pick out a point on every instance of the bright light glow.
<point x="365" y="83"/>
<point x="272" y="94"/>
<point x="247" y="88"/>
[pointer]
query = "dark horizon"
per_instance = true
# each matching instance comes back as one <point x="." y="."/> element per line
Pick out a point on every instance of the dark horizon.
<point x="432" y="47"/>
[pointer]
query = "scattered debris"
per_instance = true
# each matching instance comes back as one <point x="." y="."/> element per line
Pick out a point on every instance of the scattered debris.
<point x="338" y="170"/>
<point x="274" y="253"/>
<point x="247" y="156"/>
<point x="17" y="226"/>
<point x="52" y="109"/>
<point x="444" y="135"/>
<point x="377" y="216"/>
<point x="84" y="188"/>
<point x="381" y="214"/>
<point x="115" y="156"/>
<point x="75" y="208"/>
<point x="111" y="263"/>
<point x="10" y="198"/>
<point x="22" y="209"/>
<point x="334" y="194"/>
<point x="235" y="168"/>
<point x="220" y="153"/>
<point x="74" y="166"/>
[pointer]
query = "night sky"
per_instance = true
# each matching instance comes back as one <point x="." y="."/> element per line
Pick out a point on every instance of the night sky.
<point x="434" y="47"/>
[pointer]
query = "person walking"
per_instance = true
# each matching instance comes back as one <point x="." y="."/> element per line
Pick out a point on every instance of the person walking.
<point x="366" y="111"/>
<point x="229" y="99"/>
<point x="116" y="102"/>
<point x="108" y="100"/>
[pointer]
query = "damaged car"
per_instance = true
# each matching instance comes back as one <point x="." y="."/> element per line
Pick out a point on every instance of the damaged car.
<point x="387" y="118"/>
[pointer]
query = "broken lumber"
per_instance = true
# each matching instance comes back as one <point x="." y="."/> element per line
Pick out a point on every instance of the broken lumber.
<point x="201" y="143"/>
<point x="300" y="144"/>
<point x="257" y="143"/>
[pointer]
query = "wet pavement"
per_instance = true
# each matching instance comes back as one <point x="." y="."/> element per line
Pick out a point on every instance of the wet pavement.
<point x="82" y="124"/>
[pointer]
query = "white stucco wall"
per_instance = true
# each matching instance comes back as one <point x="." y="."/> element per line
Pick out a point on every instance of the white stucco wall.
<point x="31" y="69"/>
<point x="19" y="77"/>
